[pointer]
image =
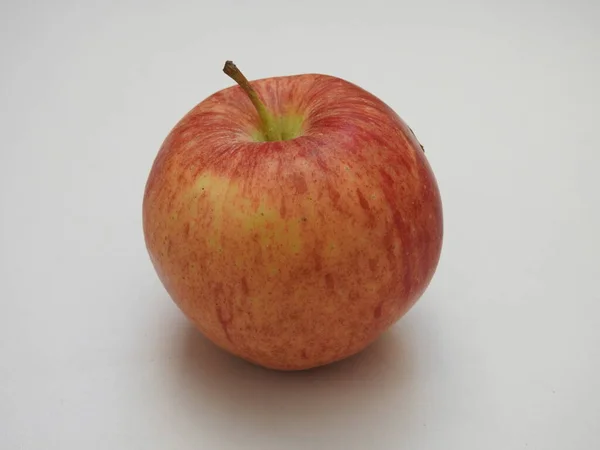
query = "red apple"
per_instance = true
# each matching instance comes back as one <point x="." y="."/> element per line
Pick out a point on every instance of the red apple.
<point x="292" y="219"/>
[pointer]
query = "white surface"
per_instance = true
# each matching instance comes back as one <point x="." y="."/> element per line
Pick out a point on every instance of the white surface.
<point x="502" y="352"/>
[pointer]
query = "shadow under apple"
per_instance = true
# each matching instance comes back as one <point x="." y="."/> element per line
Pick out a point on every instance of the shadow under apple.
<point x="350" y="396"/>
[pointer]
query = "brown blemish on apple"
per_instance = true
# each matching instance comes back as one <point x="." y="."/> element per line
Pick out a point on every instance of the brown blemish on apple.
<point x="303" y="354"/>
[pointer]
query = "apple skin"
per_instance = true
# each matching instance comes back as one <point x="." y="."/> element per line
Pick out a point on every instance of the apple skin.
<point x="293" y="254"/>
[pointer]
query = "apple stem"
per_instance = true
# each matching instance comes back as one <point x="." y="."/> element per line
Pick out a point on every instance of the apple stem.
<point x="266" y="118"/>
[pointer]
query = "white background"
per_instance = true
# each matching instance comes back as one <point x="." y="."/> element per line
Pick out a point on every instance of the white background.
<point x="502" y="352"/>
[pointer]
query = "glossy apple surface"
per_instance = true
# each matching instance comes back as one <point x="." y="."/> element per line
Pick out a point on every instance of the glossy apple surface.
<point x="297" y="252"/>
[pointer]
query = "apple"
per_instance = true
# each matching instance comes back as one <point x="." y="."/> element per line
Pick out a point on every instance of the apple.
<point x="292" y="219"/>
